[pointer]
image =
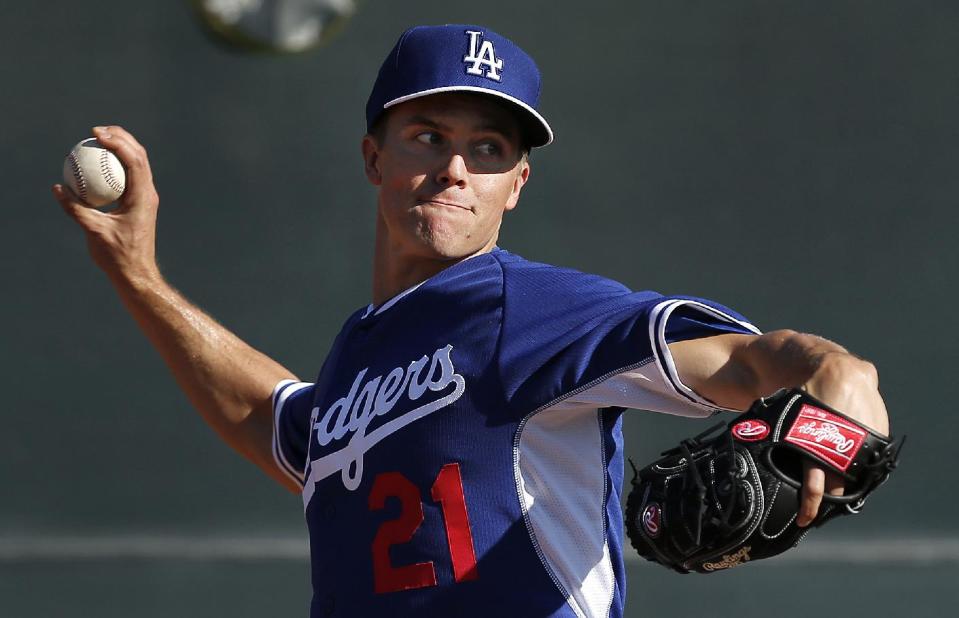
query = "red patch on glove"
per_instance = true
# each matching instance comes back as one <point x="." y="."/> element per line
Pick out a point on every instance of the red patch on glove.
<point x="826" y="435"/>
<point x="752" y="430"/>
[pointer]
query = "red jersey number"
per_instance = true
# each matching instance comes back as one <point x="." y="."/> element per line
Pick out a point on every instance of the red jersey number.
<point x="447" y="490"/>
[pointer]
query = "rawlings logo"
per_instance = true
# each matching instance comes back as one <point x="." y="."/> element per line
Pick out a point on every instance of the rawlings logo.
<point x="729" y="560"/>
<point x="826" y="435"/>
<point x="348" y="419"/>
<point x="827" y="432"/>
<point x="651" y="515"/>
<point x="751" y="430"/>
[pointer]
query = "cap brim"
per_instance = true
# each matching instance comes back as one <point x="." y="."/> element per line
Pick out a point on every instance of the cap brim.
<point x="540" y="133"/>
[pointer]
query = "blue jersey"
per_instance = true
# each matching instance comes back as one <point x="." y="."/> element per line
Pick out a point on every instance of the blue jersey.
<point x="461" y="450"/>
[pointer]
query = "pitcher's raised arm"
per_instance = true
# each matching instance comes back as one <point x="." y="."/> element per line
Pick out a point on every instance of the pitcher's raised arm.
<point x="228" y="382"/>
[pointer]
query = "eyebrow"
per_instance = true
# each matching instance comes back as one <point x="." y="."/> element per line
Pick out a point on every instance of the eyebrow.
<point x="484" y="126"/>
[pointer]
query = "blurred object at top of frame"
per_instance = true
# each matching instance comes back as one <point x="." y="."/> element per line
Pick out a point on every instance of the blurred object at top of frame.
<point x="273" y="26"/>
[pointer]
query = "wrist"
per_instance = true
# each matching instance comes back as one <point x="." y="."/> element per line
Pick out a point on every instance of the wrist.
<point x="850" y="385"/>
<point x="835" y="370"/>
<point x="136" y="278"/>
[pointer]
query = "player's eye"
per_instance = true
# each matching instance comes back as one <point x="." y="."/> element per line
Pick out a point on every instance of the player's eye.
<point x="428" y="137"/>
<point x="488" y="149"/>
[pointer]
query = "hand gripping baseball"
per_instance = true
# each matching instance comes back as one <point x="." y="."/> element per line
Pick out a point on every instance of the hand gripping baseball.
<point x="122" y="242"/>
<point x="721" y="499"/>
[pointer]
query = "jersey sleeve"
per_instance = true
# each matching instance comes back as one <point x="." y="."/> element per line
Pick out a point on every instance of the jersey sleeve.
<point x="656" y="385"/>
<point x="292" y="410"/>
<point x="570" y="339"/>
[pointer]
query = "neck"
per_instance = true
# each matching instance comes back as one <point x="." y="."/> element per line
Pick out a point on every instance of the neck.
<point x="396" y="269"/>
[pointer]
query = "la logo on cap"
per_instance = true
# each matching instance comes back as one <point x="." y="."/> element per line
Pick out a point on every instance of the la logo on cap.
<point x="485" y="55"/>
<point x="427" y="60"/>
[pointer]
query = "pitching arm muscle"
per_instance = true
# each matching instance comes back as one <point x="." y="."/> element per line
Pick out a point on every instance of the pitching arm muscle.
<point x="228" y="382"/>
<point x="734" y="370"/>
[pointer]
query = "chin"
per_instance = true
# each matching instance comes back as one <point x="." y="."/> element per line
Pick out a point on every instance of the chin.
<point x="445" y="240"/>
<point x="448" y="248"/>
<point x="446" y="251"/>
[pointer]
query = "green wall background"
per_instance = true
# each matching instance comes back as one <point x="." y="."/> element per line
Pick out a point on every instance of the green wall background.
<point x="794" y="160"/>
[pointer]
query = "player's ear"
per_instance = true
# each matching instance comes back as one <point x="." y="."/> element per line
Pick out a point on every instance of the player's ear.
<point x="522" y="175"/>
<point x="371" y="159"/>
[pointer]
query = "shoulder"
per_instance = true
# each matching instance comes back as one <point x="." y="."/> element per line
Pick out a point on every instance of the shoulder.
<point x="540" y="301"/>
<point x="522" y="275"/>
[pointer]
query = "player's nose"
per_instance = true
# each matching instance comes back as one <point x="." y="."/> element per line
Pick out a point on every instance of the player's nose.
<point x="453" y="171"/>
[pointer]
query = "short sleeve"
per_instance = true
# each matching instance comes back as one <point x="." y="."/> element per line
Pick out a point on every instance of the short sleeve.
<point x="292" y="409"/>
<point x="683" y="319"/>
<point x="573" y="337"/>
<point x="655" y="385"/>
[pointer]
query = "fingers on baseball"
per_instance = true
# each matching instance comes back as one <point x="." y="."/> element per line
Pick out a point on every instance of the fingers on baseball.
<point x="134" y="158"/>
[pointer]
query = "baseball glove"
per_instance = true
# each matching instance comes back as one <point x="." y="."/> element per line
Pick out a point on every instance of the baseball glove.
<point x="727" y="497"/>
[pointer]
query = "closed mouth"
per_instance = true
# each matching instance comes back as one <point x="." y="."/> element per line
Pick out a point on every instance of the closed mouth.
<point x="444" y="203"/>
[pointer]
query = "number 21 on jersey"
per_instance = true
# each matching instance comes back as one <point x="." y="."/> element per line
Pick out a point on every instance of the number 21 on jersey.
<point x="447" y="490"/>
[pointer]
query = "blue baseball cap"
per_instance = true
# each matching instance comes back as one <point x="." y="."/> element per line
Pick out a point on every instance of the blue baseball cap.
<point x="460" y="58"/>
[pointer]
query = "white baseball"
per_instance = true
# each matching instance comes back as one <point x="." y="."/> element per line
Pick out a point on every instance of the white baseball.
<point x="94" y="174"/>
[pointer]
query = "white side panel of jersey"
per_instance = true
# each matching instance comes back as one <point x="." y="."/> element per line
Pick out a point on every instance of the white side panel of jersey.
<point x="561" y="467"/>
<point x="561" y="479"/>
<point x="643" y="388"/>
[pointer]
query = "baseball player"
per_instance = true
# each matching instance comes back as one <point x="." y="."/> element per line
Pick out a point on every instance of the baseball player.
<point x="460" y="452"/>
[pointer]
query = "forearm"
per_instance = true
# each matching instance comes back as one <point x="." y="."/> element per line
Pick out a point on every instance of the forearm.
<point x="735" y="370"/>
<point x="825" y="370"/>
<point x="225" y="379"/>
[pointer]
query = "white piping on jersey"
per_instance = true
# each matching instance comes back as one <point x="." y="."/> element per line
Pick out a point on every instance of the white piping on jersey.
<point x="281" y="392"/>
<point x="657" y="336"/>
<point x="373" y="310"/>
<point x="602" y="450"/>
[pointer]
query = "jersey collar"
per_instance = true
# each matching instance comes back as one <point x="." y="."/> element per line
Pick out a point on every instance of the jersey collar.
<point x="373" y="310"/>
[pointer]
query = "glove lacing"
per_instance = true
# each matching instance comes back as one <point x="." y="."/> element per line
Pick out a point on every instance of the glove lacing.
<point x="686" y="448"/>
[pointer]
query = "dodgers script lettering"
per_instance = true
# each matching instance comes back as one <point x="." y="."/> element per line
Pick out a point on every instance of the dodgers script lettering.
<point x="348" y="419"/>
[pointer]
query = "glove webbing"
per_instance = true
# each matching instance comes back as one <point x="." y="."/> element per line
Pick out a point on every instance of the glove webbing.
<point x="686" y="448"/>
